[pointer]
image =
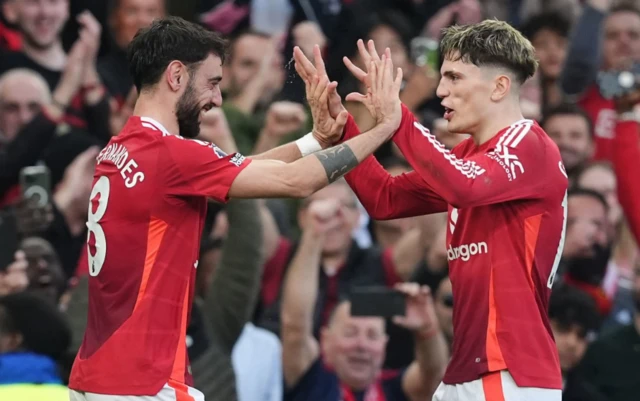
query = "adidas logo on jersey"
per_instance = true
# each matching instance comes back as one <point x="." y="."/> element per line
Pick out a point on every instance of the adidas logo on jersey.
<point x="465" y="252"/>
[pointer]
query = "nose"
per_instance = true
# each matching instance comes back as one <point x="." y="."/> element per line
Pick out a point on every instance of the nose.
<point x="441" y="90"/>
<point x="216" y="99"/>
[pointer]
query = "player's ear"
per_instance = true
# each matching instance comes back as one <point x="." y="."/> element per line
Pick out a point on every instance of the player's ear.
<point x="501" y="87"/>
<point x="176" y="74"/>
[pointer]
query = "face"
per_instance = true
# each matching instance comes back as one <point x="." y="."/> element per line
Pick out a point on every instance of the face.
<point x="571" y="343"/>
<point x="44" y="272"/>
<point x="621" y="39"/>
<point x="20" y="100"/>
<point x="248" y="53"/>
<point x="592" y="214"/>
<point x="465" y="92"/>
<point x="444" y="307"/>
<point x="445" y="137"/>
<point x="201" y="93"/>
<point x="551" y="49"/>
<point x="41" y="21"/>
<point x="339" y="239"/>
<point x="384" y="36"/>
<point x="133" y="15"/>
<point x="571" y="133"/>
<point x="602" y="180"/>
<point x="354" y="347"/>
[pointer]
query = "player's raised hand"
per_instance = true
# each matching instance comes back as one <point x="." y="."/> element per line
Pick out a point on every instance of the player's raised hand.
<point x="420" y="316"/>
<point x="327" y="124"/>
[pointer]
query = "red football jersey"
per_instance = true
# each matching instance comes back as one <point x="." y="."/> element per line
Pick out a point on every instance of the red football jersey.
<point x="146" y="217"/>
<point x="507" y="217"/>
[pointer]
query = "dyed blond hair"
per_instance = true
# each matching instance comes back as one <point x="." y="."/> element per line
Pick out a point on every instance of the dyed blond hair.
<point x="490" y="43"/>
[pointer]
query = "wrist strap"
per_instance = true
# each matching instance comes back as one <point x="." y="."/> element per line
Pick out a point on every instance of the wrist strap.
<point x="308" y="144"/>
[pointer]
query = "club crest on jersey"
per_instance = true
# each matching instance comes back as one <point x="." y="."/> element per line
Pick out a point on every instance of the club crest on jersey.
<point x="219" y="152"/>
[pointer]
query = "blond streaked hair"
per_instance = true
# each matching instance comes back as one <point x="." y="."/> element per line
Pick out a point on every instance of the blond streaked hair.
<point x="490" y="43"/>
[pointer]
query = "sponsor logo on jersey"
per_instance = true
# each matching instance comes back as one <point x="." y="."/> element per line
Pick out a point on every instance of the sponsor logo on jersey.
<point x="508" y="141"/>
<point x="237" y="159"/>
<point x="466" y="251"/>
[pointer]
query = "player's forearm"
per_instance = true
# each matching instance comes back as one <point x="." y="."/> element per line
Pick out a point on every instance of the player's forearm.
<point x="232" y="296"/>
<point x="301" y="289"/>
<point x="287" y="153"/>
<point x="326" y="166"/>
<point x="626" y="160"/>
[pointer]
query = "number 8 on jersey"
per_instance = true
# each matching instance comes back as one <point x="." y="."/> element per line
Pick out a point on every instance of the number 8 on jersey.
<point x="100" y="194"/>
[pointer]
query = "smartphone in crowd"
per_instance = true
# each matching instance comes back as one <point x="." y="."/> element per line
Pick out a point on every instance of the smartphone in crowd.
<point x="8" y="238"/>
<point x="35" y="184"/>
<point x="377" y="301"/>
<point x="615" y="83"/>
<point x="426" y="52"/>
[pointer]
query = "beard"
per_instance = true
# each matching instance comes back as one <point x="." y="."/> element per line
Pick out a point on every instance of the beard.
<point x="591" y="269"/>
<point x="188" y="113"/>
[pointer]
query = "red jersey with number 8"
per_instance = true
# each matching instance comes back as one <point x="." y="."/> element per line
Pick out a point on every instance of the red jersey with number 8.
<point x="146" y="217"/>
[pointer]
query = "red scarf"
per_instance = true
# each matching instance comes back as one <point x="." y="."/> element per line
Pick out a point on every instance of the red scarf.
<point x="373" y="393"/>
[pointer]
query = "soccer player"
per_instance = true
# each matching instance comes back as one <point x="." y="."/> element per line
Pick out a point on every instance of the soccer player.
<point x="505" y="192"/>
<point x="148" y="204"/>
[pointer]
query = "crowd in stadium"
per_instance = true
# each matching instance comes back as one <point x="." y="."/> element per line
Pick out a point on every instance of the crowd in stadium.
<point x="270" y="277"/>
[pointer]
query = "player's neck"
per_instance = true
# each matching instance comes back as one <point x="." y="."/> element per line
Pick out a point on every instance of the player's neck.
<point x="150" y="105"/>
<point x="504" y="117"/>
<point x="52" y="57"/>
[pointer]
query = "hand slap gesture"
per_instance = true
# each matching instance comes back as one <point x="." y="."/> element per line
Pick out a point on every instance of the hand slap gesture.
<point x="327" y="124"/>
<point x="383" y="91"/>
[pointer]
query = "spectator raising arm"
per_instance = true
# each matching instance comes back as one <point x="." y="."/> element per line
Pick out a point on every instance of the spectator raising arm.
<point x="230" y="300"/>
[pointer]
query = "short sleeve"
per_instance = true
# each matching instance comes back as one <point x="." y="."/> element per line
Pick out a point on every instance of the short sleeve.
<point x="198" y="168"/>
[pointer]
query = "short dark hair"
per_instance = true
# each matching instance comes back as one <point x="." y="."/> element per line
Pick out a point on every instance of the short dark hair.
<point x="564" y="109"/>
<point x="168" y="39"/>
<point x="570" y="306"/>
<point x="43" y="327"/>
<point x="579" y="191"/>
<point x="551" y="21"/>
<point x="625" y="6"/>
<point x="490" y="43"/>
<point x="233" y="39"/>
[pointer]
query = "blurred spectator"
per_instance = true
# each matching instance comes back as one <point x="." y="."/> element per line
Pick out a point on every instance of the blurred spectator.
<point x="225" y="343"/>
<point x="31" y="129"/>
<point x="575" y="322"/>
<point x="352" y="347"/>
<point x="587" y="245"/>
<point x="41" y="24"/>
<point x="341" y="265"/>
<point x="443" y="301"/>
<point x="9" y="37"/>
<point x="599" y="177"/>
<point x="609" y="369"/>
<point x="548" y="32"/>
<point x="617" y="29"/>
<point x="571" y="129"/>
<point x="44" y="270"/>
<point x="126" y="17"/>
<point x="33" y="336"/>
<point x="14" y="278"/>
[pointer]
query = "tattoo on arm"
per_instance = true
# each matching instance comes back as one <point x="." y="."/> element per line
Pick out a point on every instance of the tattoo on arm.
<point x="337" y="161"/>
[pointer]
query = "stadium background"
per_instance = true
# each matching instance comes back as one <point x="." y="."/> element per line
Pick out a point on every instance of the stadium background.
<point x="595" y="300"/>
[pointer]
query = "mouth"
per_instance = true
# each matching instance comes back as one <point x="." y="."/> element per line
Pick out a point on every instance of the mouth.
<point x="448" y="113"/>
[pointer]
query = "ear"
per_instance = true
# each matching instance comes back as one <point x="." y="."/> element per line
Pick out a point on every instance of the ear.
<point x="502" y="87"/>
<point x="176" y="75"/>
